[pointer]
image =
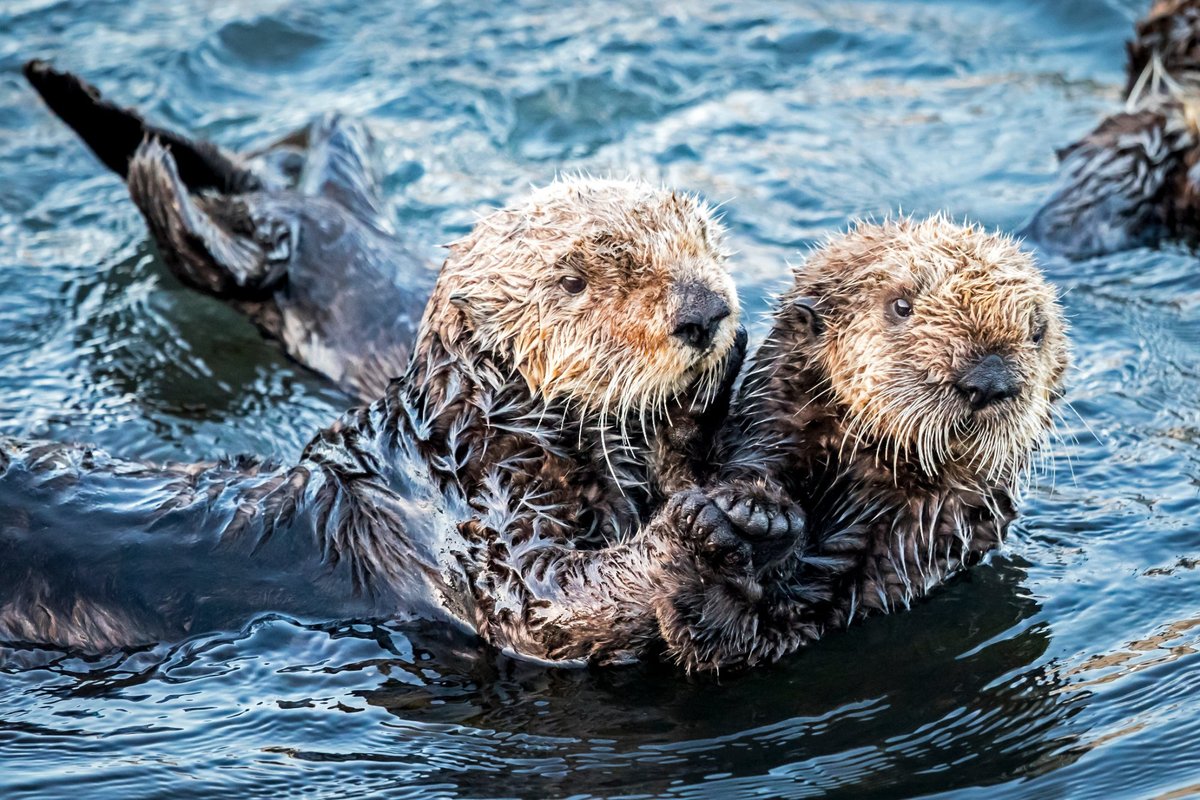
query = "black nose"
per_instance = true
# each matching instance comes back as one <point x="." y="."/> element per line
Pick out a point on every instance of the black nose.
<point x="989" y="381"/>
<point x="699" y="315"/>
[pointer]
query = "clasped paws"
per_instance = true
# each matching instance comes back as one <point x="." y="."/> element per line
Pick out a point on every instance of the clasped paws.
<point x="738" y="533"/>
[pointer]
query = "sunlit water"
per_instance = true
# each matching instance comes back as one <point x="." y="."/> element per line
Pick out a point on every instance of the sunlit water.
<point x="1068" y="665"/>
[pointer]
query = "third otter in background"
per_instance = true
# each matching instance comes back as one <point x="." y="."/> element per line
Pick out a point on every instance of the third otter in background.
<point x="1133" y="180"/>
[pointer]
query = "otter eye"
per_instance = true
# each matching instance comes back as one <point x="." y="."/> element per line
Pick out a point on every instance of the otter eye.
<point x="1039" y="332"/>
<point x="901" y="307"/>
<point x="573" y="284"/>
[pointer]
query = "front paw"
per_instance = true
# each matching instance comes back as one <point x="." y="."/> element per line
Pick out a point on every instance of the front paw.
<point x="772" y="524"/>
<point x="734" y="542"/>
<point x="711" y="607"/>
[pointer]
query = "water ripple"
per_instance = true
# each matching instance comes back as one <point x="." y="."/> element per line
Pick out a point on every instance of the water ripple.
<point x="1069" y="661"/>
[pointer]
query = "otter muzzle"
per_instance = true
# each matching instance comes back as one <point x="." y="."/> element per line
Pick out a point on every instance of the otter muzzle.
<point x="989" y="381"/>
<point x="698" y="316"/>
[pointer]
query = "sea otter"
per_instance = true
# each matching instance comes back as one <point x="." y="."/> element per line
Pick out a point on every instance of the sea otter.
<point x="297" y="238"/>
<point x="1133" y="181"/>
<point x="566" y="369"/>
<point x="905" y="385"/>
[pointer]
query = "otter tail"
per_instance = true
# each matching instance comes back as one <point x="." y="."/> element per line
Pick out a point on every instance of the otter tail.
<point x="114" y="133"/>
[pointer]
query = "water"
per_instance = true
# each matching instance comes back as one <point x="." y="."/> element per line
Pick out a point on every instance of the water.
<point x="1065" y="667"/>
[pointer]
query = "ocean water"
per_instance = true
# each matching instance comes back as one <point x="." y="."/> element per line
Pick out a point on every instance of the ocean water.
<point x="1066" y="667"/>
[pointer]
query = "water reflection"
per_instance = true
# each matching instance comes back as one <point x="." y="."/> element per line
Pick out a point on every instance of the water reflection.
<point x="960" y="679"/>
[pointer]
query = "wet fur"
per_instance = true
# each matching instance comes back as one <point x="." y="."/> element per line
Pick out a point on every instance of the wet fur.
<point x="850" y="415"/>
<point x="476" y="490"/>
<point x="1130" y="182"/>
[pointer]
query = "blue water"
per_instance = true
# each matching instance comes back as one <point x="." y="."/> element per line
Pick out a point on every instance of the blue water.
<point x="1068" y="666"/>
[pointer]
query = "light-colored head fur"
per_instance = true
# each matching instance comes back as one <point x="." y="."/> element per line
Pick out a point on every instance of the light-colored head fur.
<point x="970" y="294"/>
<point x="577" y="285"/>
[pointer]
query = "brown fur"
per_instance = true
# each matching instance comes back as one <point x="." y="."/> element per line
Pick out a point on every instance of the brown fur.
<point x="851" y="413"/>
<point x="1130" y="182"/>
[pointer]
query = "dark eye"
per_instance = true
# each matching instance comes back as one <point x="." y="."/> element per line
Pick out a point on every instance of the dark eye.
<point x="573" y="284"/>
<point x="901" y="307"/>
<point x="1039" y="332"/>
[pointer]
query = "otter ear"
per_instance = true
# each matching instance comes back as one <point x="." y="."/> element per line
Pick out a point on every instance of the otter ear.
<point x="804" y="309"/>
<point x="460" y="298"/>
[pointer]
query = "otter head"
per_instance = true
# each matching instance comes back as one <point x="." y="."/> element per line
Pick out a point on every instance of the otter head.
<point x="610" y="294"/>
<point x="939" y="344"/>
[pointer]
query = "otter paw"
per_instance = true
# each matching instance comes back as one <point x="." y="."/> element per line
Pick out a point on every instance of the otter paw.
<point x="773" y="526"/>
<point x="721" y="553"/>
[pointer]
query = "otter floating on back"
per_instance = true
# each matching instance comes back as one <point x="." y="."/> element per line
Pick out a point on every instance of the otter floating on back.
<point x="528" y="428"/>
<point x="1134" y="181"/>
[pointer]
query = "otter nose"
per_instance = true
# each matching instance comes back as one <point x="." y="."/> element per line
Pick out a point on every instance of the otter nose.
<point x="698" y="315"/>
<point x="989" y="381"/>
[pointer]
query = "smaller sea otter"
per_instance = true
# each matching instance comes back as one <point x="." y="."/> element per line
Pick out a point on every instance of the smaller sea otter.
<point x="1132" y="181"/>
<point x="297" y="239"/>
<point x="905" y="385"/>
<point x="568" y="370"/>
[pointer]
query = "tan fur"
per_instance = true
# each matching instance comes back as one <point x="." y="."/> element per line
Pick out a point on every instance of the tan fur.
<point x="972" y="293"/>
<point x="609" y="348"/>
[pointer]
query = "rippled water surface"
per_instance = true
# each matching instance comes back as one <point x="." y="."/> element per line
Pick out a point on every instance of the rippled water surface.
<point x="1068" y="666"/>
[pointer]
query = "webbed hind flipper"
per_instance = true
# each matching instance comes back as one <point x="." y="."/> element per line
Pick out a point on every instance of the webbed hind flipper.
<point x="114" y="133"/>
<point x="231" y="247"/>
<point x="340" y="164"/>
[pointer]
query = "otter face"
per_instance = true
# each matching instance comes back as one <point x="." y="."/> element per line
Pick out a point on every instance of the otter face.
<point x="943" y="343"/>
<point x="611" y="294"/>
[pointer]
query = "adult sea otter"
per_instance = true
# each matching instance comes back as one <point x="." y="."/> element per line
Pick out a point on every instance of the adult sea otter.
<point x="569" y="368"/>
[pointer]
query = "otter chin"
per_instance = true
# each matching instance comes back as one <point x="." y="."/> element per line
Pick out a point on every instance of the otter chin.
<point x="879" y="439"/>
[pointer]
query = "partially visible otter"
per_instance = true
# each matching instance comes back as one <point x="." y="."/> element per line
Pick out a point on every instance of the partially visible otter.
<point x="531" y="424"/>
<point x="1133" y="181"/>
<point x="1165" y="47"/>
<point x="299" y="242"/>
<point x="905" y="385"/>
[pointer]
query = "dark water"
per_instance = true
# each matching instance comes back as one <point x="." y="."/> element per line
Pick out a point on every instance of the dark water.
<point x="1067" y="667"/>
